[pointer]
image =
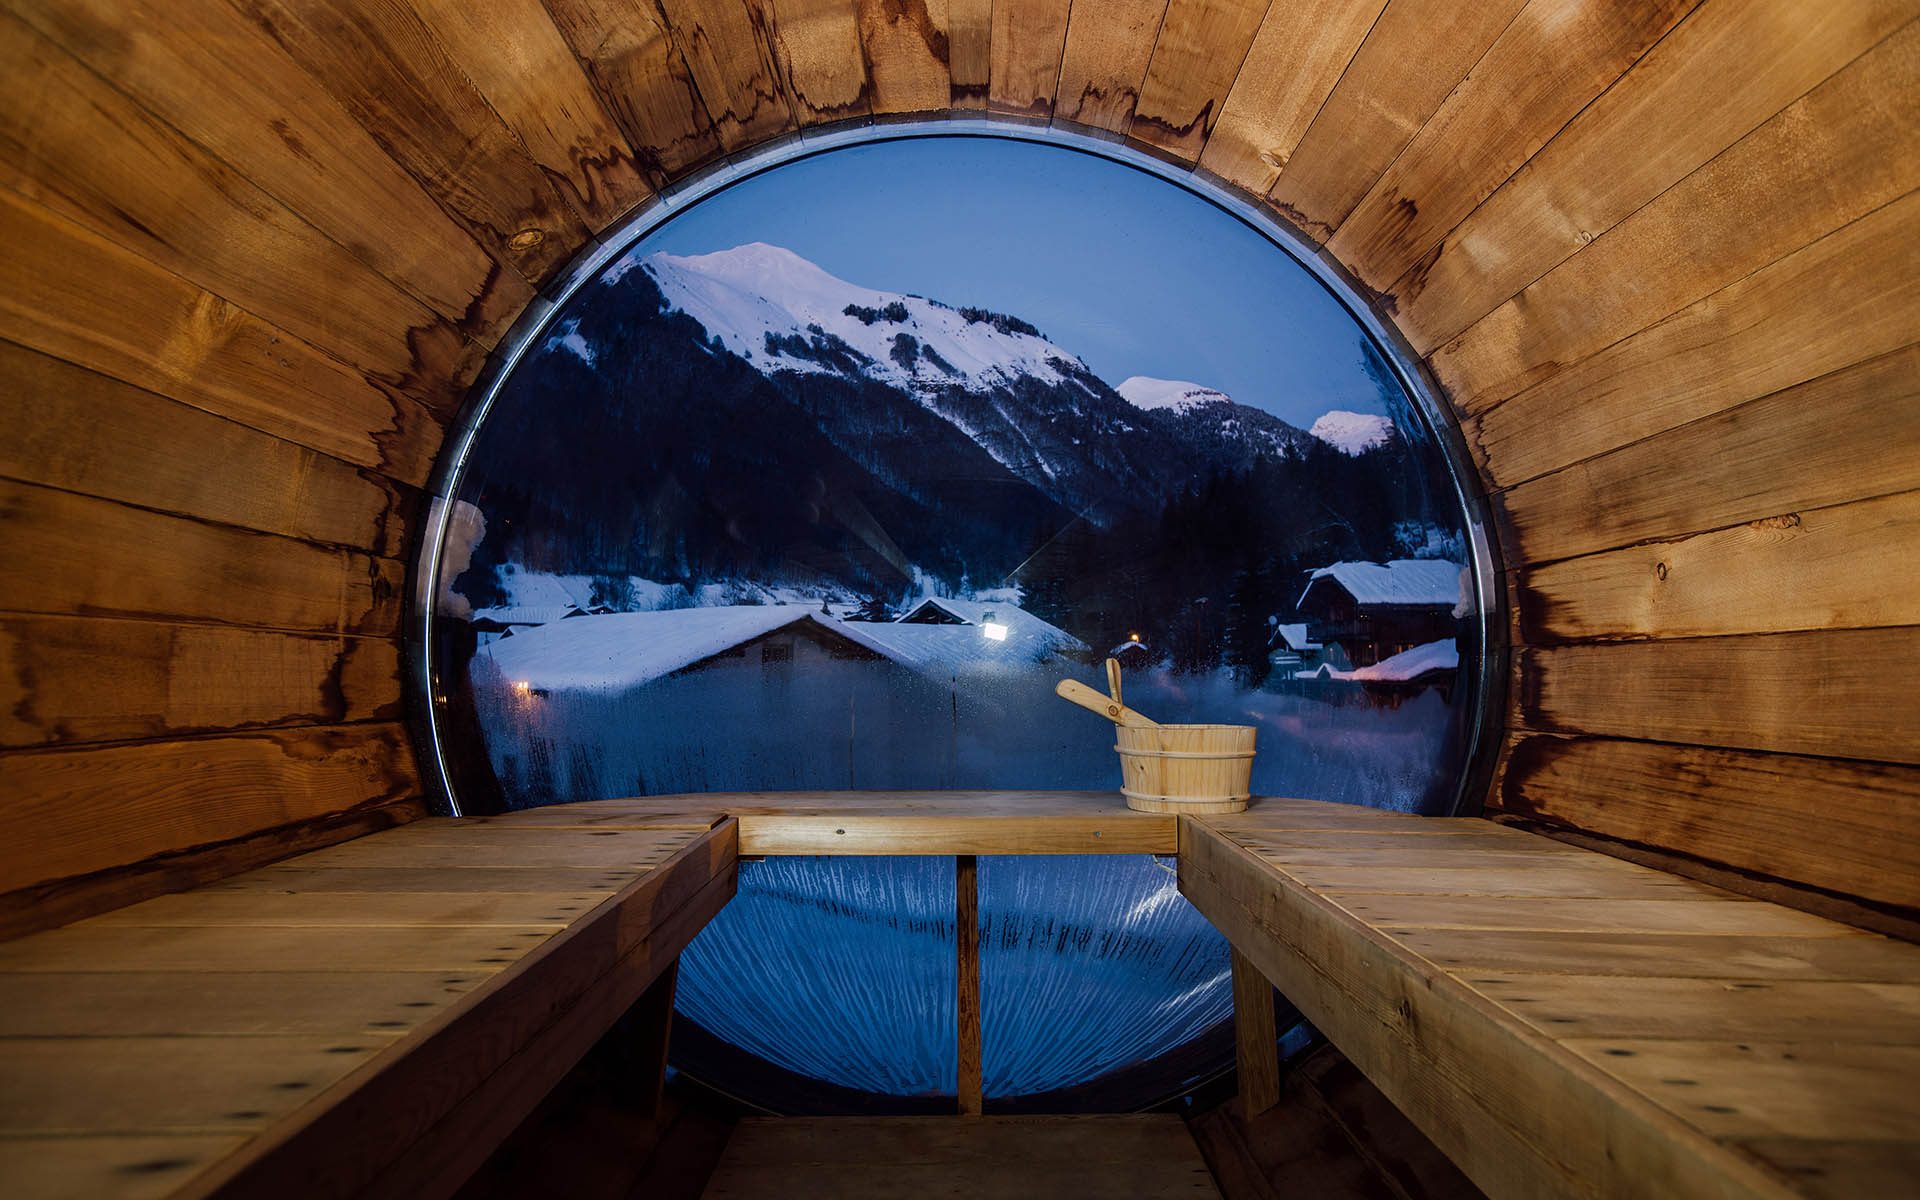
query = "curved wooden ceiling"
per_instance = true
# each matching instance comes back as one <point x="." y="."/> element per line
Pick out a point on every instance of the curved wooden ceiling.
<point x="1661" y="255"/>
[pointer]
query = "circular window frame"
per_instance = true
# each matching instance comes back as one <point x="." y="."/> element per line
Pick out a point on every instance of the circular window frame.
<point x="1484" y="682"/>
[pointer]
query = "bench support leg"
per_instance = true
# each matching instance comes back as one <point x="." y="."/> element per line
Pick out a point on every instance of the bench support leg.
<point x="1255" y="1037"/>
<point x="643" y="1033"/>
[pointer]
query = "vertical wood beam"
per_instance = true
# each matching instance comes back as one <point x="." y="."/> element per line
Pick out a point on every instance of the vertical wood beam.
<point x="644" y="1033"/>
<point x="1256" y="1040"/>
<point x="966" y="907"/>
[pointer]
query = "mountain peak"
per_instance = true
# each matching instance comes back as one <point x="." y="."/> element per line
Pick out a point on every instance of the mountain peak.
<point x="1351" y="431"/>
<point x="1144" y="391"/>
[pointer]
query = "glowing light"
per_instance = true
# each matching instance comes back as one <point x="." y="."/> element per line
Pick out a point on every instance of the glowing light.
<point x="522" y="687"/>
<point x="1133" y="637"/>
<point x="995" y="631"/>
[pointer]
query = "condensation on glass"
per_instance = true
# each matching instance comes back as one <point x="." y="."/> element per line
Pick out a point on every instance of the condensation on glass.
<point x="825" y="482"/>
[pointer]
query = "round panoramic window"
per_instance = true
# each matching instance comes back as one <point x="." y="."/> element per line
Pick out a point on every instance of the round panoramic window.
<point x="824" y="481"/>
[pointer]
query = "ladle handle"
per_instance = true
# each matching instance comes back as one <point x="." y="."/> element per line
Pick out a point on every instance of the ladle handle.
<point x="1113" y="681"/>
<point x="1074" y="691"/>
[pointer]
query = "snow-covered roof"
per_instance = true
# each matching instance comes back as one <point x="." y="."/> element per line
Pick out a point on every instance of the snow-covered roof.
<point x="1027" y="634"/>
<point x="1408" y="665"/>
<point x="624" y="650"/>
<point x="1412" y="581"/>
<point x="525" y="614"/>
<point x="539" y="589"/>
<point x="1144" y="391"/>
<point x="1293" y="637"/>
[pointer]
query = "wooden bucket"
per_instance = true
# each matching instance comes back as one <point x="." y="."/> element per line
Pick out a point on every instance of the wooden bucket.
<point x="1185" y="768"/>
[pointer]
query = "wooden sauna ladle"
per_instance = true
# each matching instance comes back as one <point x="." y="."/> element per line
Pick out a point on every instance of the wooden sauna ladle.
<point x="1107" y="706"/>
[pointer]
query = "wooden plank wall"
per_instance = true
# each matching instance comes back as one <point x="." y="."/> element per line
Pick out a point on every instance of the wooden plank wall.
<point x="1661" y="255"/>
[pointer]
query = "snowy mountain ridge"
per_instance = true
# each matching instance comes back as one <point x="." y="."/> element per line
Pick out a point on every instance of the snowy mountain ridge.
<point x="1144" y="391"/>
<point x="781" y="312"/>
<point x="1351" y="431"/>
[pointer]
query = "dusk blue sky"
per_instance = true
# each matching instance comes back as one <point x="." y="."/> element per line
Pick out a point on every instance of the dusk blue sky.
<point x="1134" y="275"/>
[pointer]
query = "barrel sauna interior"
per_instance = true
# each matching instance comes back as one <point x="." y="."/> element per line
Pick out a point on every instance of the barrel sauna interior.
<point x="1662" y="258"/>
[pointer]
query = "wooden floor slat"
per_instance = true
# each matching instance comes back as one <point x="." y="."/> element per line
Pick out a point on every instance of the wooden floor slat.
<point x="913" y="1158"/>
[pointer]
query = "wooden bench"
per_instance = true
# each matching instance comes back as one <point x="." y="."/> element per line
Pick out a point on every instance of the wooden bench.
<point x="369" y="1019"/>
<point x="1563" y="1023"/>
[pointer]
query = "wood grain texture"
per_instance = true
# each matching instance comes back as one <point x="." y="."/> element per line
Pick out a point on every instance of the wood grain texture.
<point x="1824" y="568"/>
<point x="1578" y="1063"/>
<point x="1296" y="58"/>
<point x="1548" y="64"/>
<point x="966" y="926"/>
<point x="99" y="558"/>
<point x="1822" y="693"/>
<point x="385" y="66"/>
<point x="1105" y="62"/>
<point x="74" y="811"/>
<point x="224" y="83"/>
<point x="1195" y="61"/>
<point x="1810" y="446"/>
<point x="1027" y="42"/>
<point x="1415" y="53"/>
<point x="970" y="25"/>
<point x="1732" y="65"/>
<point x="83" y="432"/>
<point x="1829" y="158"/>
<point x="1742" y="810"/>
<point x="727" y="46"/>
<point x="68" y="680"/>
<point x="72" y="142"/>
<point x="72" y="294"/>
<point x="635" y="62"/>
<point x="905" y="45"/>
<point x="1848" y="297"/>
<point x="1255" y="1039"/>
<point x="816" y="50"/>
<point x="1150" y="1156"/>
<point x="515" y="56"/>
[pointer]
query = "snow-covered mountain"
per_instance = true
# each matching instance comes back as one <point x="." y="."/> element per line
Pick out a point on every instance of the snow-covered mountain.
<point x="1351" y="431"/>
<point x="1210" y="414"/>
<point x="1144" y="391"/>
<point x="784" y="313"/>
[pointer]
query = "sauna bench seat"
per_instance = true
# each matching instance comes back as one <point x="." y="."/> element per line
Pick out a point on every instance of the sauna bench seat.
<point x="369" y="1019"/>
<point x="1564" y="1023"/>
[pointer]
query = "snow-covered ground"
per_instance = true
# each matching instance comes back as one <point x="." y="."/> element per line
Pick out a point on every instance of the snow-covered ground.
<point x="1352" y="431"/>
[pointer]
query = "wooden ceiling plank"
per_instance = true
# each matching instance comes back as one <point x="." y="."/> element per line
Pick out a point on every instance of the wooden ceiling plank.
<point x="1734" y="918"/>
<point x="1473" y="954"/>
<point x="1414" y="55"/>
<point x="1748" y="811"/>
<point x="98" y="946"/>
<point x="1835" y="155"/>
<point x="817" y="51"/>
<point x="1296" y="59"/>
<point x="1589" y="1007"/>
<point x="1841" y="301"/>
<point x="1813" y="445"/>
<point x="1808" y="569"/>
<point x="69" y="680"/>
<point x="84" y="149"/>
<point x="74" y="811"/>
<point x="1105" y="62"/>
<point x="1547" y="65"/>
<point x="207" y="72"/>
<point x="970" y="29"/>
<point x="729" y="48"/>
<point x="1201" y="47"/>
<point x="382" y="62"/>
<point x="72" y="294"/>
<point x="1820" y="693"/>
<point x="515" y="56"/>
<point x="1732" y="66"/>
<point x="99" y="558"/>
<point x="76" y="430"/>
<point x="1029" y="37"/>
<point x="906" y="44"/>
<point x="634" y="61"/>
